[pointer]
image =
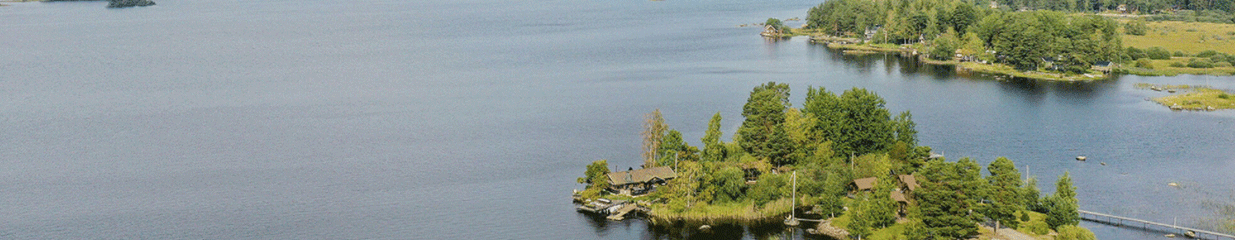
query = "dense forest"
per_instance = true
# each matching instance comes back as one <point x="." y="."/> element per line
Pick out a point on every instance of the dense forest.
<point x="827" y="144"/>
<point x="1027" y="40"/>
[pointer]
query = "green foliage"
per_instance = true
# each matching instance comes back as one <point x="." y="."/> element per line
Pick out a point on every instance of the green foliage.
<point x="596" y="178"/>
<point x="770" y="187"/>
<point x="1135" y="53"/>
<point x="1200" y="63"/>
<point x="856" y="122"/>
<point x="1062" y="206"/>
<point x="1144" y="63"/>
<point x="1178" y="64"/>
<point x="1005" y="193"/>
<point x="729" y="182"/>
<point x="1207" y="54"/>
<point x="1074" y="233"/>
<point x="859" y="221"/>
<point x="763" y="133"/>
<point x="1031" y="196"/>
<point x="944" y="47"/>
<point x="1179" y="54"/>
<point x="948" y="194"/>
<point x="1224" y="96"/>
<point x="1158" y="53"/>
<point x="1039" y="227"/>
<point x="713" y="149"/>
<point x="1136" y="27"/>
<point x="1024" y="217"/>
<point x="673" y="149"/>
<point x="776" y="23"/>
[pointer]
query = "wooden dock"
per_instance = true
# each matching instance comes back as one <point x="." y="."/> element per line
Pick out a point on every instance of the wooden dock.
<point x="1148" y="225"/>
<point x="620" y="213"/>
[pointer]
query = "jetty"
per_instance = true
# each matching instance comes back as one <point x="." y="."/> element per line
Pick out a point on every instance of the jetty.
<point x="1149" y="225"/>
<point x="615" y="210"/>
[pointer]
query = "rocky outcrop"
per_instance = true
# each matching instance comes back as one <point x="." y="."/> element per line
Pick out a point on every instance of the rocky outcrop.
<point x="129" y="3"/>
<point x="825" y="228"/>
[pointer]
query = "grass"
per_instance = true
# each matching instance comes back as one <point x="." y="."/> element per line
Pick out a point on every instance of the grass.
<point x="1005" y="70"/>
<point x="1033" y="217"/>
<point x="1189" y="37"/>
<point x="1164" y="68"/>
<point x="739" y="212"/>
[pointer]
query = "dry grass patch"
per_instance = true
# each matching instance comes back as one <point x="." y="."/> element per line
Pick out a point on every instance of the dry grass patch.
<point x="1188" y="37"/>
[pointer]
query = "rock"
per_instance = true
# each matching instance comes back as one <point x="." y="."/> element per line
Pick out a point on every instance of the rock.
<point x="705" y="228"/>
<point x="1210" y="108"/>
<point x="1172" y="235"/>
<point x="129" y="3"/>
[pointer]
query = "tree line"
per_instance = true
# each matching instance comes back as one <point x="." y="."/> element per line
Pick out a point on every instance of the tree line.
<point x="1027" y="40"/>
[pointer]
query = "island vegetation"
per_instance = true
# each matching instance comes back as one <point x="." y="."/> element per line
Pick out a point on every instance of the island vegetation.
<point x="1195" y="98"/>
<point x="847" y="159"/>
<point x="1051" y="40"/>
<point x="110" y="3"/>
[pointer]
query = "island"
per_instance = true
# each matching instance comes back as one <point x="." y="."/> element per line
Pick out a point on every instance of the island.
<point x="843" y="166"/>
<point x="1068" y="41"/>
<point x="129" y="3"/>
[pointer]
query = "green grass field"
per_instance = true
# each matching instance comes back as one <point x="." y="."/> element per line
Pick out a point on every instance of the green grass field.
<point x="1188" y="37"/>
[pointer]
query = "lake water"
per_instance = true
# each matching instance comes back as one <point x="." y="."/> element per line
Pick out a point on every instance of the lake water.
<point x="471" y="119"/>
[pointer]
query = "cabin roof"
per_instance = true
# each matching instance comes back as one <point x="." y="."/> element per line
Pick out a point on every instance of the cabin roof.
<point x="864" y="183"/>
<point x="910" y="181"/>
<point x="641" y="175"/>
<point x="899" y="197"/>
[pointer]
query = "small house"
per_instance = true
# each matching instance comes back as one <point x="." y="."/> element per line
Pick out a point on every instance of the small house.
<point x="902" y="202"/>
<point x="863" y="184"/>
<point x="770" y="31"/>
<point x="639" y="182"/>
<point x="1103" y="66"/>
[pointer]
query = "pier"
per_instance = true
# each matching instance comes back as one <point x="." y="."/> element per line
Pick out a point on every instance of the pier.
<point x="1149" y="225"/>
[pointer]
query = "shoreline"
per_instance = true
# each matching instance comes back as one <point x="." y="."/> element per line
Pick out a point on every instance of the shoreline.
<point x="998" y="70"/>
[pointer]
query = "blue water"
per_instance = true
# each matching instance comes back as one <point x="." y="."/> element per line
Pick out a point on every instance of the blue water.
<point x="471" y="119"/>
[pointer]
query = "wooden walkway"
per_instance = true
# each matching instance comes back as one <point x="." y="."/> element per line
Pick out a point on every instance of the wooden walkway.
<point x="620" y="213"/>
<point x="1132" y="222"/>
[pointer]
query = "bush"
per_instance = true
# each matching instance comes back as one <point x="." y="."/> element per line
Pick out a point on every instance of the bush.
<point x="1135" y="53"/>
<point x="1224" y="96"/>
<point x="1136" y="27"/>
<point x="1178" y="64"/>
<point x="1039" y="228"/>
<point x="945" y="47"/>
<point x="1180" y="54"/>
<point x="1200" y="63"/>
<point x="1158" y="53"/>
<point x="1144" y="63"/>
<point x="1207" y="53"/>
<point x="1074" y="233"/>
<point x="1025" y="215"/>
<point x="1222" y="64"/>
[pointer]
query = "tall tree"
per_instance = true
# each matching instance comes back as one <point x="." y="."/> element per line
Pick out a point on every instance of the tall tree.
<point x="1062" y="206"/>
<point x="713" y="149"/>
<point x="1031" y="196"/>
<point x="947" y="198"/>
<point x="763" y="133"/>
<point x="1005" y="195"/>
<point x="654" y="128"/>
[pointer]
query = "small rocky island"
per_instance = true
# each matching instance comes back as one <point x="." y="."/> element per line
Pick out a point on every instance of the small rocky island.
<point x="128" y="3"/>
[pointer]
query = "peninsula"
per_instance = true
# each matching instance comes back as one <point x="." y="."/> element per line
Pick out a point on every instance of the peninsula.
<point x="843" y="164"/>
<point x="1065" y="41"/>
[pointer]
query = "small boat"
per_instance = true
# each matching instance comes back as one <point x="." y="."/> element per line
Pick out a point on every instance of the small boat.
<point x="1081" y="158"/>
<point x="1190" y="234"/>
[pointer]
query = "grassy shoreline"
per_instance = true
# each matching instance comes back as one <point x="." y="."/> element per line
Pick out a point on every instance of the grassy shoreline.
<point x="993" y="69"/>
<point x="727" y="213"/>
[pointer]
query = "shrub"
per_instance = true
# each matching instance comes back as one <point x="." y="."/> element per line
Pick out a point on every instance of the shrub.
<point x="1039" y="228"/>
<point x="1207" y="53"/>
<point x="1158" y="53"/>
<point x="1144" y="63"/>
<point x="1222" y="64"/>
<point x="1025" y="215"/>
<point x="1180" y="54"/>
<point x="1135" y="53"/>
<point x="1136" y="27"/>
<point x="1074" y="233"/>
<point x="1178" y="64"/>
<point x="1200" y="63"/>
<point x="1224" y="96"/>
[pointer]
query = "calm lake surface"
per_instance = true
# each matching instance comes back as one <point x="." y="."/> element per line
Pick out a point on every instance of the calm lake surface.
<point x="471" y="119"/>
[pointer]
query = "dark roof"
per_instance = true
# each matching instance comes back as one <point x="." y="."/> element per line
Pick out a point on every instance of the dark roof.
<point x="910" y="181"/>
<point x="864" y="183"/>
<point x="641" y="175"/>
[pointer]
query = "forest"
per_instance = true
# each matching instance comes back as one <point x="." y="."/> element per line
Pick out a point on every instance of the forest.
<point x="827" y="144"/>
<point x="1027" y="40"/>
